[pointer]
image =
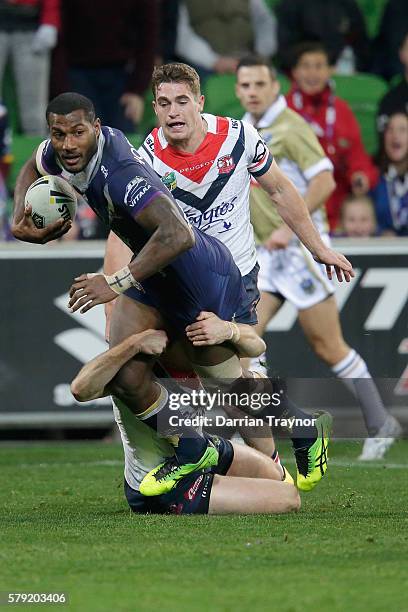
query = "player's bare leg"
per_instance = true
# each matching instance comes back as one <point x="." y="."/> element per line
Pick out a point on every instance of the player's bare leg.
<point x="322" y="328"/>
<point x="135" y="385"/>
<point x="266" y="309"/>
<point x="252" y="485"/>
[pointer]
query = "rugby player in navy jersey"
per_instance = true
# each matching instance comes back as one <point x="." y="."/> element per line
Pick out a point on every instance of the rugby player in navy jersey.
<point x="176" y="272"/>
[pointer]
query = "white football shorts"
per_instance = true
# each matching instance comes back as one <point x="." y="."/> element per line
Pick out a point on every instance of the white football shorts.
<point x="293" y="274"/>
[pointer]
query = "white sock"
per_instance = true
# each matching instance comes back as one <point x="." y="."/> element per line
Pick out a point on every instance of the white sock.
<point x="355" y="375"/>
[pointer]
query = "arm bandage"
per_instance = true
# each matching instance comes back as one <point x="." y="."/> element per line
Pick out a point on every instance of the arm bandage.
<point x="122" y="280"/>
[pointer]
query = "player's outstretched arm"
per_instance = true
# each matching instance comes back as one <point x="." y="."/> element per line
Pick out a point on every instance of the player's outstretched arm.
<point x="210" y="329"/>
<point x="319" y="189"/>
<point x="23" y="227"/>
<point x="294" y="212"/>
<point x="170" y="236"/>
<point x="93" y="379"/>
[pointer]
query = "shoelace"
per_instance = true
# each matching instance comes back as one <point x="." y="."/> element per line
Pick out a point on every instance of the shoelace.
<point x="167" y="469"/>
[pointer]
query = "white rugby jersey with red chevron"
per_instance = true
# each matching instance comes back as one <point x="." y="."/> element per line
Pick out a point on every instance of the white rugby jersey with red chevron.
<point x="212" y="184"/>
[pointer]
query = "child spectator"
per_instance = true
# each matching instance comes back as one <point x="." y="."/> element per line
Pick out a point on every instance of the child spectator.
<point x="313" y="96"/>
<point x="391" y="194"/>
<point x="358" y="217"/>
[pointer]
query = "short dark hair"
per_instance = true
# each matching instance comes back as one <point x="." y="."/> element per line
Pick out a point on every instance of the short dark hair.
<point x="312" y="46"/>
<point x="70" y="101"/>
<point x="248" y="61"/>
<point x="176" y="73"/>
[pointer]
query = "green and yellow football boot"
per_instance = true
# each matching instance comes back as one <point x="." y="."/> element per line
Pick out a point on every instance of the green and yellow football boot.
<point x="311" y="460"/>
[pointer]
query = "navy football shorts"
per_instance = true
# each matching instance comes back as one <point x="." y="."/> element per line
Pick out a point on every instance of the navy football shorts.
<point x="191" y="495"/>
<point x="181" y="309"/>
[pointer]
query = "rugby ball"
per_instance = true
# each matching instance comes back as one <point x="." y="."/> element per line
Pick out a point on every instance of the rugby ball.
<point x="51" y="197"/>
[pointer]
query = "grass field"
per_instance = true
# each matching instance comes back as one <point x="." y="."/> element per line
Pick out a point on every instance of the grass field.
<point x="65" y="526"/>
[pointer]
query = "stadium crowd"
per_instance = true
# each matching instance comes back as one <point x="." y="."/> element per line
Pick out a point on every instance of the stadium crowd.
<point x="49" y="48"/>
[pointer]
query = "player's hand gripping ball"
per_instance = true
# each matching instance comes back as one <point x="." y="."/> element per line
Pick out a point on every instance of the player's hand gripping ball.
<point x="51" y="198"/>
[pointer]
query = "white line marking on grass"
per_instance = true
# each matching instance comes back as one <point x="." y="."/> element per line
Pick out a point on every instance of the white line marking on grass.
<point x="360" y="464"/>
<point x="101" y="463"/>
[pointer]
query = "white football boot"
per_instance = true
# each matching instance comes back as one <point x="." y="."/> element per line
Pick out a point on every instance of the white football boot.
<point x="375" y="448"/>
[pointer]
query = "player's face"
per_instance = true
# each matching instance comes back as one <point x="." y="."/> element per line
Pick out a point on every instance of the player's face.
<point x="74" y="138"/>
<point x="256" y="89"/>
<point x="312" y="72"/>
<point x="396" y="138"/>
<point x="178" y="111"/>
<point x="358" y="220"/>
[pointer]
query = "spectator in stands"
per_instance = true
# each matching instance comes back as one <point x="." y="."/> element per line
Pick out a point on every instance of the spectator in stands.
<point x="392" y="31"/>
<point x="5" y="165"/>
<point x="391" y="194"/>
<point x="397" y="97"/>
<point x="110" y="49"/>
<point x="213" y="35"/>
<point x="312" y="95"/>
<point x="28" y="32"/>
<point x="337" y="24"/>
<point x="358" y="218"/>
<point x="169" y="12"/>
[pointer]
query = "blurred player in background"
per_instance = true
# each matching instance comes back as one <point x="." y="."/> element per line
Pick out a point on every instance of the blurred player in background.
<point x="287" y="270"/>
<point x="244" y="481"/>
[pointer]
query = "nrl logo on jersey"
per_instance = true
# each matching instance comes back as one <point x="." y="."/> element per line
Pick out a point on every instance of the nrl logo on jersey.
<point x="170" y="180"/>
<point x="225" y="164"/>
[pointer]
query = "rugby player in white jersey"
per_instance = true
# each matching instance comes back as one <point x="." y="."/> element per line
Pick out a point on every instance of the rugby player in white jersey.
<point x="207" y="162"/>
<point x="244" y="481"/>
<point x="287" y="270"/>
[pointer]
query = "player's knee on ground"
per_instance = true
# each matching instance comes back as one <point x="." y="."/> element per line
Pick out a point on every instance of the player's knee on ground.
<point x="294" y="501"/>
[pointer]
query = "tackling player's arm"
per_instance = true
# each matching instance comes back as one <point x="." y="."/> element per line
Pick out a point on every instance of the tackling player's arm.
<point x="294" y="212"/>
<point x="23" y="227"/>
<point x="210" y="329"/>
<point x="170" y="236"/>
<point x="93" y="379"/>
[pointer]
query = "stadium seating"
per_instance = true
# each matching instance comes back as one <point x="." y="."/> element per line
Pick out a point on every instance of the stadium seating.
<point x="363" y="92"/>
<point x="220" y="95"/>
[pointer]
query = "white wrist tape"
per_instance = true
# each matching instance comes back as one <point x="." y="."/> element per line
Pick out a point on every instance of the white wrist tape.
<point x="235" y="332"/>
<point x="122" y="280"/>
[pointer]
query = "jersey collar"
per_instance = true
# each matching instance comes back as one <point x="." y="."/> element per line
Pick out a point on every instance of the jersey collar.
<point x="270" y="115"/>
